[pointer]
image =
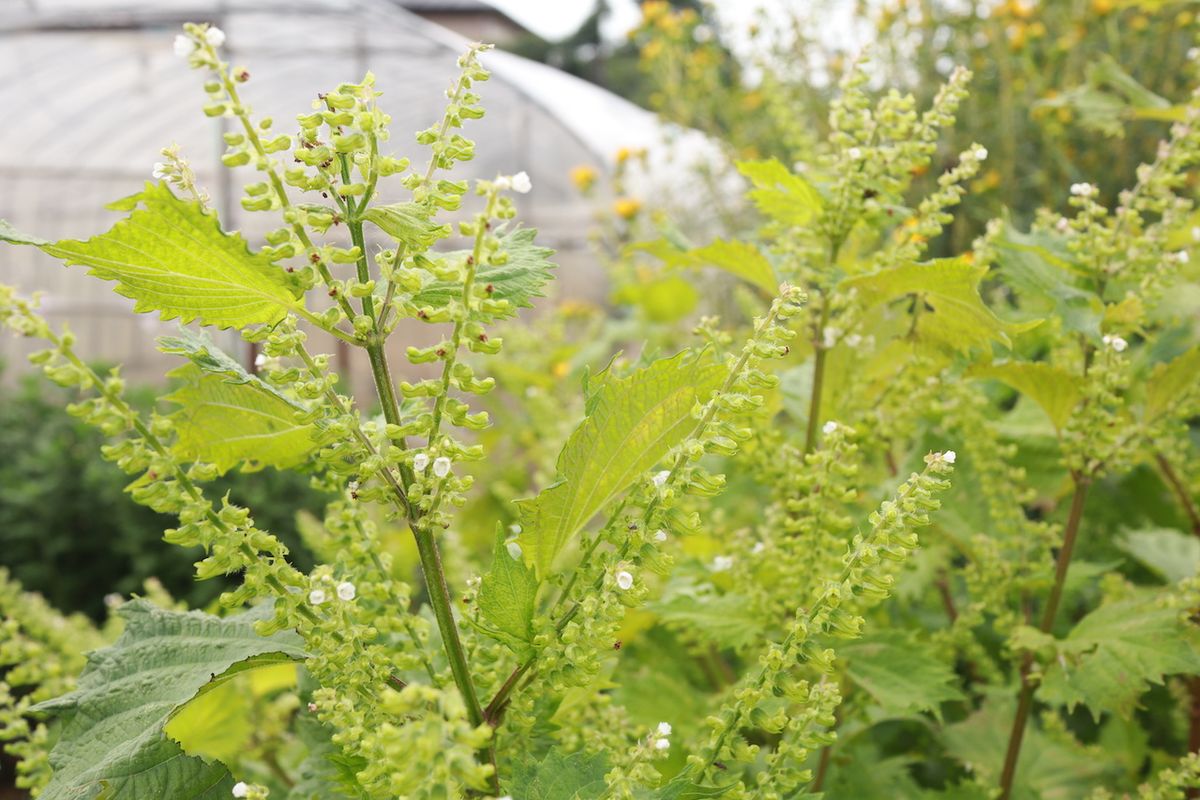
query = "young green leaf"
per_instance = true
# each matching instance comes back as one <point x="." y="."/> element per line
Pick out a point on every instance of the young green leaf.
<point x="739" y="258"/>
<point x="227" y="423"/>
<point x="171" y="256"/>
<point x="1056" y="391"/>
<point x="1169" y="553"/>
<point x="1115" y="653"/>
<point x="507" y="596"/>
<point x="633" y="422"/>
<point x="1038" y="267"/>
<point x="578" y="776"/>
<point x="112" y="743"/>
<point x="951" y="314"/>
<point x="726" y="620"/>
<point x="901" y="673"/>
<point x="1171" y="382"/>
<point x="517" y="272"/>
<point x="781" y="194"/>
<point x="409" y="224"/>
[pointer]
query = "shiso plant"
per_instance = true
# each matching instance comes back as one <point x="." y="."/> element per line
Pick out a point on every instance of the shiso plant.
<point x="737" y="568"/>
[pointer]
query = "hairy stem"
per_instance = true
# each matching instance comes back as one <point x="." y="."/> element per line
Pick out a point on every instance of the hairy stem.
<point x="1025" y="699"/>
<point x="1181" y="491"/>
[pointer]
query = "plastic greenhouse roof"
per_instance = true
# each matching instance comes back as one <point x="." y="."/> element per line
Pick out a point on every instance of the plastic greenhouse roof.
<point x="68" y="82"/>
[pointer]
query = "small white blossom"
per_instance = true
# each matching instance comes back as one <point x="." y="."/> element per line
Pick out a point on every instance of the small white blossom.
<point x="949" y="456"/>
<point x="113" y="600"/>
<point x="981" y="153"/>
<point x="660" y="535"/>
<point x="1063" y="225"/>
<point x="1196" y="234"/>
<point x="854" y="340"/>
<point x="441" y="466"/>
<point x="660" y="478"/>
<point x="260" y="361"/>
<point x="346" y="591"/>
<point x="515" y="529"/>
<point x="722" y="563"/>
<point x="829" y="427"/>
<point x="625" y="580"/>
<point x="312" y="707"/>
<point x="316" y="597"/>
<point x="1193" y="53"/>
<point x="160" y="170"/>
<point x="1182" y="257"/>
<point x="854" y="153"/>
<point x="214" y="36"/>
<point x="503" y="183"/>
<point x="184" y="46"/>
<point x="521" y="182"/>
<point x="758" y="548"/>
<point x="514" y="550"/>
<point x="664" y="729"/>
<point x="662" y="744"/>
<point x="420" y="462"/>
<point x="830" y="336"/>
<point x="240" y="789"/>
<point x="1082" y="189"/>
<point x="1115" y="342"/>
<point x="352" y="486"/>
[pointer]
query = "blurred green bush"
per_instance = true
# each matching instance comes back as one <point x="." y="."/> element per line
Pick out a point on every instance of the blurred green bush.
<point x="69" y="531"/>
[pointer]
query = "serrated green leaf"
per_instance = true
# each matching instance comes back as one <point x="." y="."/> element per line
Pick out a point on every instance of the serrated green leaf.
<point x="171" y="256"/>
<point x="578" y="776"/>
<point x="1038" y="266"/>
<point x="1056" y="391"/>
<point x="326" y="772"/>
<point x="781" y="194"/>
<point x="953" y="316"/>
<point x="407" y="223"/>
<point x="1048" y="768"/>
<point x="1171" y="382"/>
<point x="507" y="597"/>
<point x="13" y="236"/>
<point x="726" y="620"/>
<point x="900" y="673"/>
<point x="1171" y="554"/>
<point x="526" y="269"/>
<point x="741" y="259"/>
<point x="111" y="743"/>
<point x="633" y="422"/>
<point x="1113" y="655"/>
<point x="227" y="423"/>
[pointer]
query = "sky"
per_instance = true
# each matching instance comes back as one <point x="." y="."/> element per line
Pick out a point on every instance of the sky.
<point x="554" y="19"/>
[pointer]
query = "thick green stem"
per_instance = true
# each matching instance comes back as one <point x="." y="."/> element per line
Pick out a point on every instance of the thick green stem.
<point x="1025" y="699"/>
<point x="818" y="380"/>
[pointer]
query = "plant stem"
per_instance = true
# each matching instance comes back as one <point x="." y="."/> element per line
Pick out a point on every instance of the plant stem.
<point x="1025" y="699"/>
<point x="1181" y="491"/>
<point x="818" y="380"/>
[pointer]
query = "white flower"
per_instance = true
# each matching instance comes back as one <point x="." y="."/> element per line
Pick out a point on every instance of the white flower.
<point x="240" y="789"/>
<point x="515" y="529"/>
<point x="981" y="153"/>
<point x="830" y="336"/>
<point x="312" y="707"/>
<point x="514" y="550"/>
<point x="662" y="744"/>
<point x="503" y="183"/>
<point x="184" y="46"/>
<point x="420" y="462"/>
<point x="625" y="580"/>
<point x="160" y="170"/>
<point x="854" y="340"/>
<point x="660" y="478"/>
<point x="758" y="548"/>
<point x="829" y="427"/>
<point x="949" y="456"/>
<point x="1115" y="342"/>
<point x="854" y="153"/>
<point x="722" y="563"/>
<point x="1082" y="189"/>
<point x="664" y="729"/>
<point x="346" y="591"/>
<point x="521" y="182"/>
<point x="1063" y="225"/>
<point x="441" y="466"/>
<point x="1182" y="257"/>
<point x="113" y="600"/>
<point x="1196" y="234"/>
<point x="660" y="535"/>
<point x="352" y="486"/>
<point x="316" y="596"/>
<point x="214" y="36"/>
<point x="1193" y="53"/>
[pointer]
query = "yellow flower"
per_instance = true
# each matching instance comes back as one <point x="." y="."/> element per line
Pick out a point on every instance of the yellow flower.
<point x="1102" y="6"/>
<point x="623" y="155"/>
<point x="583" y="176"/>
<point x="627" y="207"/>
<point x="560" y="369"/>
<point x="652" y="10"/>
